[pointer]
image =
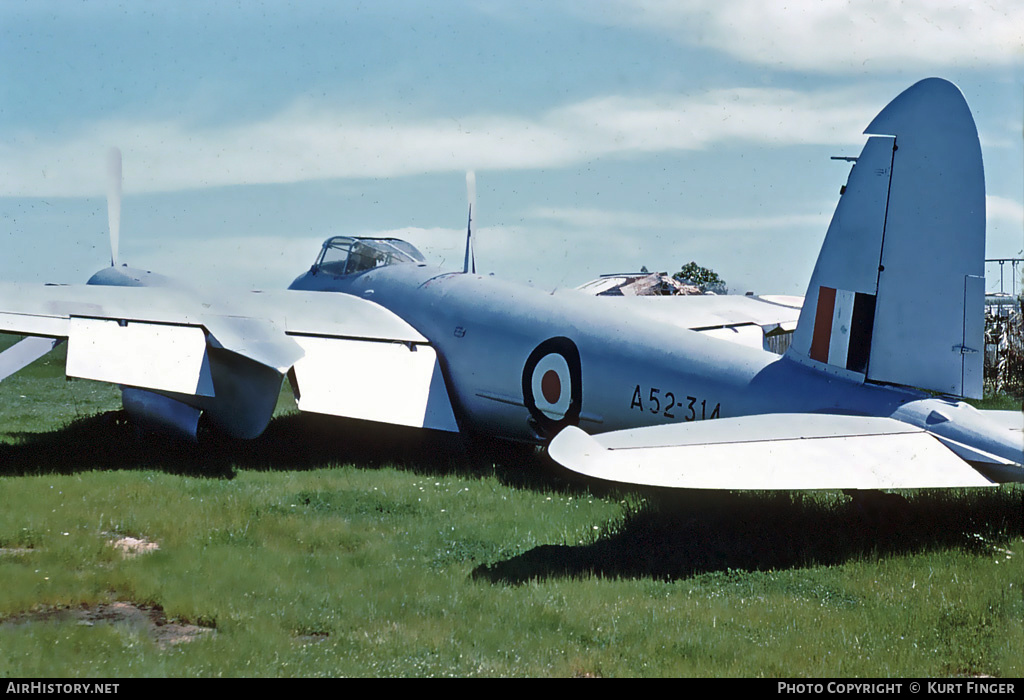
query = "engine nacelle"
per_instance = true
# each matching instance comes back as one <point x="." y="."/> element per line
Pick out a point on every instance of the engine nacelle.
<point x="161" y="413"/>
<point x="245" y="395"/>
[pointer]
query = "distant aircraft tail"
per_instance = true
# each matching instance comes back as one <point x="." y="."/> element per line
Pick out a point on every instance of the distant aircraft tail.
<point x="897" y="294"/>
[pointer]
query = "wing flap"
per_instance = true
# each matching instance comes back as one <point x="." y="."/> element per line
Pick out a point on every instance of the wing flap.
<point x="388" y="382"/>
<point x="147" y="355"/>
<point x="769" y="452"/>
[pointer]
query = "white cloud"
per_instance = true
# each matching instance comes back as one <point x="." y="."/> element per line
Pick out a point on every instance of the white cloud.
<point x="252" y="262"/>
<point x="272" y="262"/>
<point x="604" y="219"/>
<point x="557" y="247"/>
<point x="310" y="142"/>
<point x="841" y="36"/>
<point x="1002" y="210"/>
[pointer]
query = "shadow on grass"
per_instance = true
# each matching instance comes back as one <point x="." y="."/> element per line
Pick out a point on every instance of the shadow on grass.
<point x="673" y="534"/>
<point x="686" y="533"/>
<point x="110" y="441"/>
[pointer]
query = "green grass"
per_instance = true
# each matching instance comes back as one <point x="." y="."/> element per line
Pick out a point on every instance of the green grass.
<point x="998" y="402"/>
<point x="329" y="548"/>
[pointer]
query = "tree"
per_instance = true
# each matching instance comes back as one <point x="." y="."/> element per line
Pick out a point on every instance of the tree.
<point x="707" y="280"/>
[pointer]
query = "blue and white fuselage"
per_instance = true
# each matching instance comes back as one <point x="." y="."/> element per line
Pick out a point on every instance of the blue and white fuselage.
<point x="630" y="373"/>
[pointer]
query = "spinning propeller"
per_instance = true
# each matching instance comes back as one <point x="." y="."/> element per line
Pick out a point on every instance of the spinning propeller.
<point x="470" y="263"/>
<point x="114" y="201"/>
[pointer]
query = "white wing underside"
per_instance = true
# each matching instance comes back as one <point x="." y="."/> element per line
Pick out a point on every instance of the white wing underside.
<point x="769" y="452"/>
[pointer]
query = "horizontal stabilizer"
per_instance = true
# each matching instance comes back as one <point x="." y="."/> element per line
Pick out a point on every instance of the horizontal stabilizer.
<point x="769" y="452"/>
<point x="1011" y="420"/>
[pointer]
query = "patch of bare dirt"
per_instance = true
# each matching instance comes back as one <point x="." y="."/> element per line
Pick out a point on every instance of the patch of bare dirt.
<point x="151" y="620"/>
<point x="132" y="546"/>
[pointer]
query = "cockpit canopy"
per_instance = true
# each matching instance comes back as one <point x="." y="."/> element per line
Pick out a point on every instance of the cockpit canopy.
<point x="346" y="255"/>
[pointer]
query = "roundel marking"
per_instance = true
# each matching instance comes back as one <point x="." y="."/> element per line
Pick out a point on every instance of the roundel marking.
<point x="552" y="385"/>
<point x="548" y="377"/>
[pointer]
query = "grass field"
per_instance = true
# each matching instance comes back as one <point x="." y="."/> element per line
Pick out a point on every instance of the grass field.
<point x="330" y="548"/>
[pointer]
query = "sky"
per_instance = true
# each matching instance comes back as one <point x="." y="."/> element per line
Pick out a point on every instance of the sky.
<point x="604" y="135"/>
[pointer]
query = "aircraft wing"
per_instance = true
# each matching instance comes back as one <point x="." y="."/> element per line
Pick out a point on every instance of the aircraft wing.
<point x="769" y="452"/>
<point x="345" y="356"/>
<point x="24" y="353"/>
<point x="746" y="320"/>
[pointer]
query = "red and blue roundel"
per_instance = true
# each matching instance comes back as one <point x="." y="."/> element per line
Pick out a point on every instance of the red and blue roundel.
<point x="553" y="385"/>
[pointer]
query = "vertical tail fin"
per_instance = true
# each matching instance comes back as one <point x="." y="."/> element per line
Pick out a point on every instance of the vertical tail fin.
<point x="897" y="294"/>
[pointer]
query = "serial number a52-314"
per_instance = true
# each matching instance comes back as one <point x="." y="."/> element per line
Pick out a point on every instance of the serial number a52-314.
<point x="667" y="405"/>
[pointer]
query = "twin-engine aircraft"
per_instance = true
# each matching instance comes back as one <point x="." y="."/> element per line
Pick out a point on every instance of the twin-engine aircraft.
<point x="889" y="337"/>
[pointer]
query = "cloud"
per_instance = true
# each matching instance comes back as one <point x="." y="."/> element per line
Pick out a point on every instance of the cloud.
<point x="605" y="219"/>
<point x="272" y="261"/>
<point x="554" y="247"/>
<point x="257" y="261"/>
<point x="1002" y="210"/>
<point x="841" y="36"/>
<point x="314" y="141"/>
